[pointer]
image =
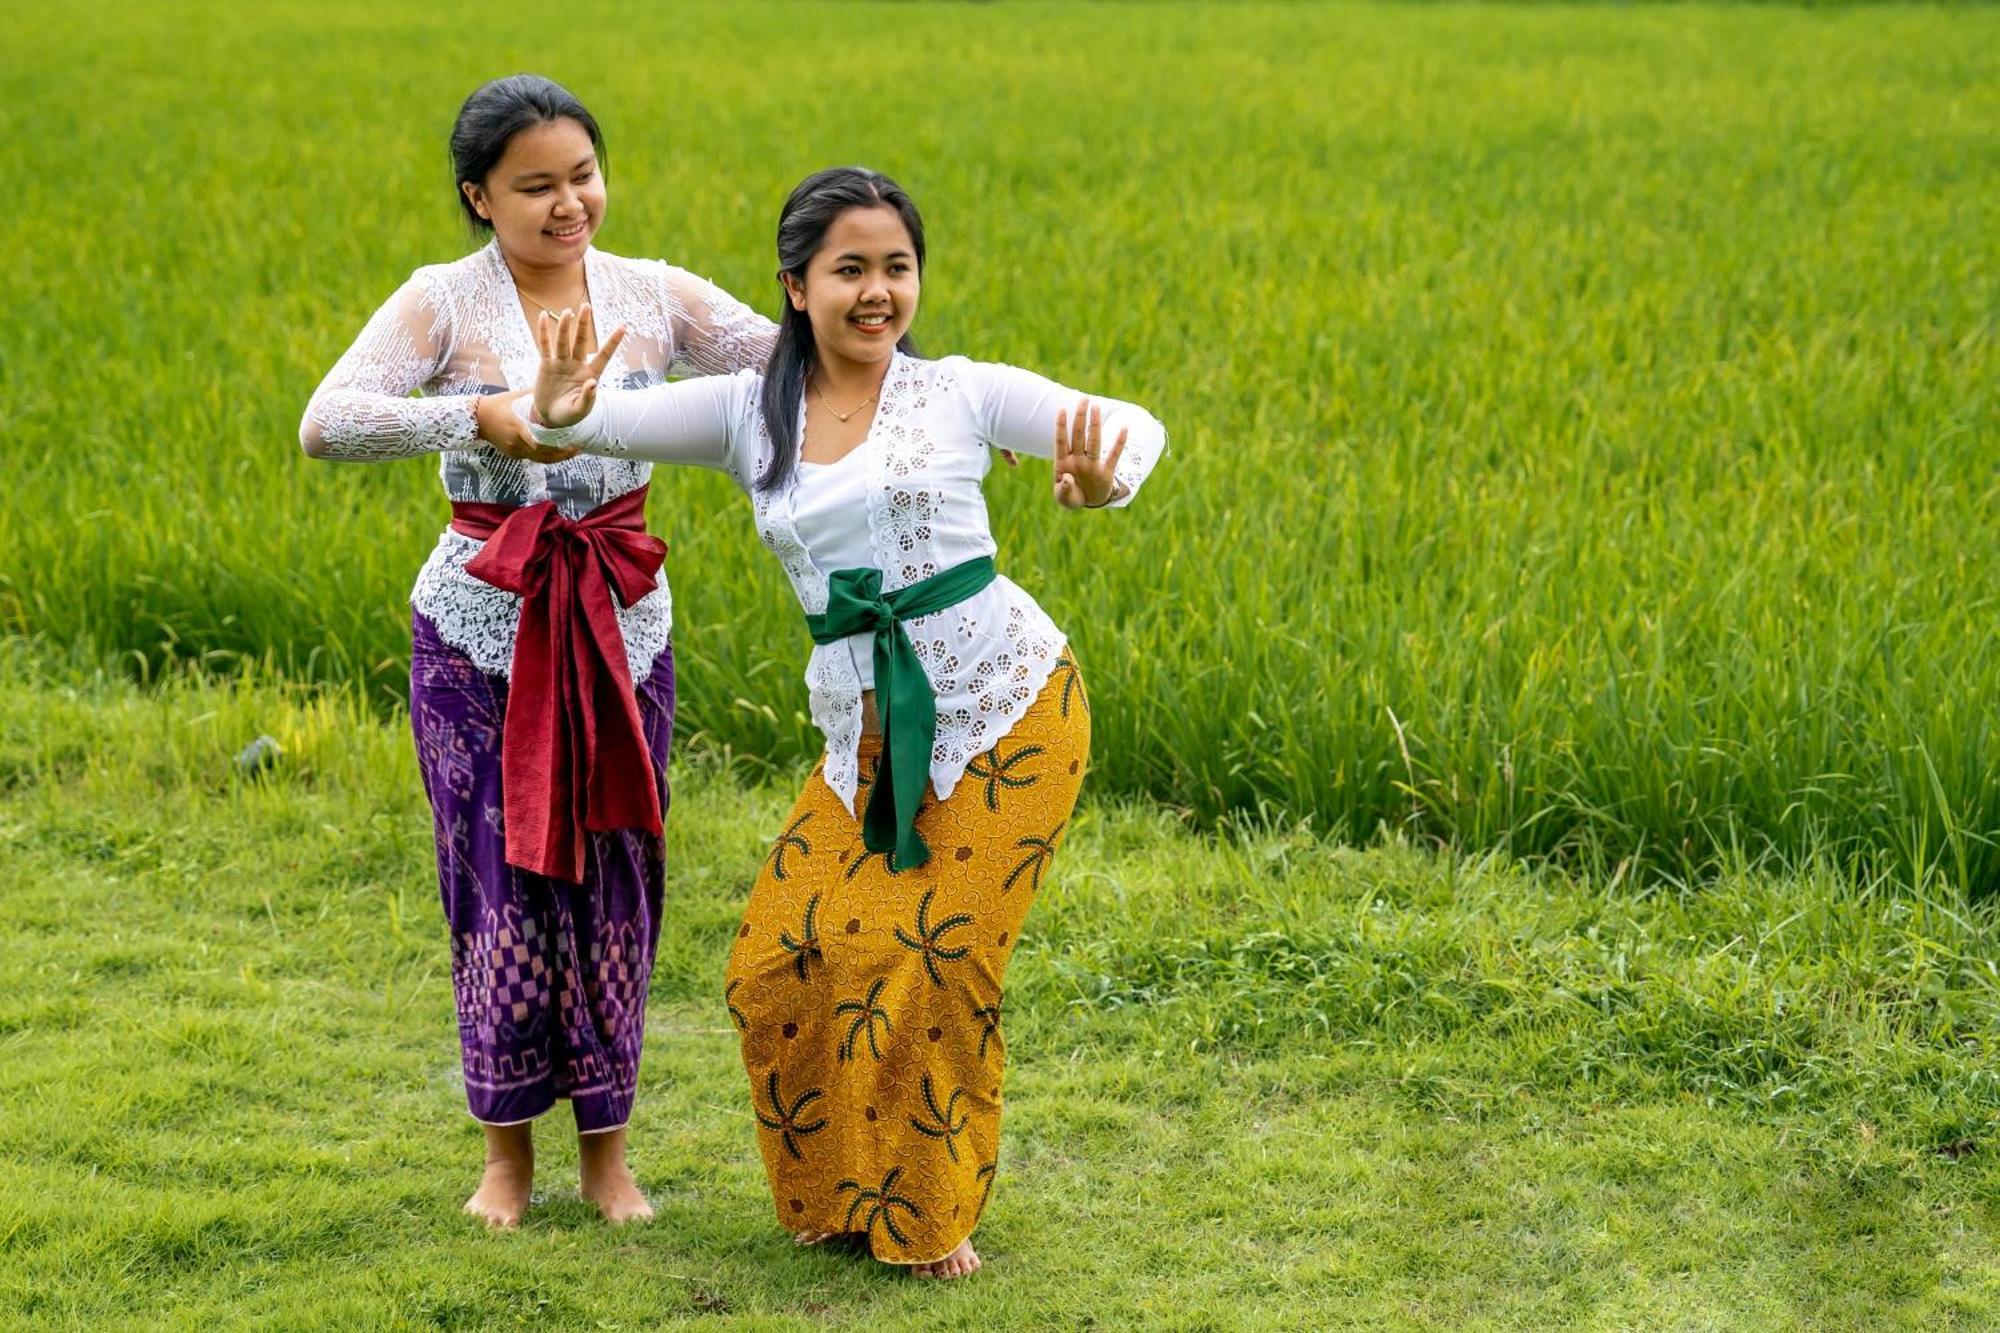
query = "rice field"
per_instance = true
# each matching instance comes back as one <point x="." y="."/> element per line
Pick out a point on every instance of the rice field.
<point x="1583" y="417"/>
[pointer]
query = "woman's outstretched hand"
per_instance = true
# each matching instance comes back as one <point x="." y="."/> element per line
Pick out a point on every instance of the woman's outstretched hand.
<point x="566" y="385"/>
<point x="1086" y="476"/>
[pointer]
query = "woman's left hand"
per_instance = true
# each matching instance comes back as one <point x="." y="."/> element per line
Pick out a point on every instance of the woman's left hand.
<point x="1086" y="476"/>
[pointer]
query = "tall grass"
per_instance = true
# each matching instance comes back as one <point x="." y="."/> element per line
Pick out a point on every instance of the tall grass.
<point x="1583" y="418"/>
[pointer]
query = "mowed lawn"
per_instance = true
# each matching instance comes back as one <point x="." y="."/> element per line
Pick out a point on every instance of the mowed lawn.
<point x="1260" y="1082"/>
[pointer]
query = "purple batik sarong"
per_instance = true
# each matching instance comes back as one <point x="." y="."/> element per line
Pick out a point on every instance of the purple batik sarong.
<point x="550" y="977"/>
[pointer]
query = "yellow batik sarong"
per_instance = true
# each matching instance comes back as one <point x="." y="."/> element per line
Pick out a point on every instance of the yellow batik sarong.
<point x="869" y="1000"/>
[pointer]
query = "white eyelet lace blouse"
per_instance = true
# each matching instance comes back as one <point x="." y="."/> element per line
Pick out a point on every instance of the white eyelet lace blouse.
<point x="916" y="509"/>
<point x="456" y="331"/>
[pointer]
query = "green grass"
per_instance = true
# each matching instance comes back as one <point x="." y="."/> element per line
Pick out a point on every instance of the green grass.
<point x="1535" y="873"/>
<point x="1584" y="416"/>
<point x="1259" y="1081"/>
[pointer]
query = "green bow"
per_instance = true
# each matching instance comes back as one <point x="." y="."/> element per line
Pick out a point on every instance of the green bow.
<point x="856" y="604"/>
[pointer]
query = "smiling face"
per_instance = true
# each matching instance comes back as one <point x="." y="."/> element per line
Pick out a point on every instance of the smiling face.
<point x="545" y="196"/>
<point x="860" y="288"/>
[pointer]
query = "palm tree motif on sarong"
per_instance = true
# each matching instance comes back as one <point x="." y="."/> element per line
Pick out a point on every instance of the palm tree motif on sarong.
<point x="785" y="1118"/>
<point x="987" y="1174"/>
<point x="941" y="1124"/>
<point x="805" y="948"/>
<point x="998" y="772"/>
<point x="1071" y="681"/>
<point x="729" y="998"/>
<point x="863" y="857"/>
<point x="790" y="840"/>
<point x="1040" y="851"/>
<point x="882" y="1201"/>
<point x="990" y="1018"/>
<point x="866" y="1014"/>
<point x="929" y="939"/>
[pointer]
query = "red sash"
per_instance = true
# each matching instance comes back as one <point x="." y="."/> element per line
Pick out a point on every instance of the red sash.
<point x="573" y="757"/>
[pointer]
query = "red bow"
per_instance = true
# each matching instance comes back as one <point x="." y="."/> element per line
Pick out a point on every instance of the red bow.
<point x="574" y="755"/>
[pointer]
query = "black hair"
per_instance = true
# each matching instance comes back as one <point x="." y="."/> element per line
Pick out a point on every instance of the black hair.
<point x="494" y="114"/>
<point x="802" y="226"/>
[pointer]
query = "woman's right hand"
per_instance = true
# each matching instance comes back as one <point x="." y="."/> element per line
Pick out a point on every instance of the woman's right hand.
<point x="501" y="426"/>
<point x="566" y="384"/>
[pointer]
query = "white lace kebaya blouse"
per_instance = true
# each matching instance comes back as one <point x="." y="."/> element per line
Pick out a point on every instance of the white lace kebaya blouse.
<point x="907" y="501"/>
<point x="456" y="331"/>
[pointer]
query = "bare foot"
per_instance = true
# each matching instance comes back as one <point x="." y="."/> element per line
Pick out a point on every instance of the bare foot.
<point x="618" y="1197"/>
<point x="827" y="1238"/>
<point x="606" y="1180"/>
<point x="959" y="1263"/>
<point x="502" y="1196"/>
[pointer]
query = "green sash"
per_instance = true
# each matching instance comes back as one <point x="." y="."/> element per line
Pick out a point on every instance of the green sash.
<point x="856" y="604"/>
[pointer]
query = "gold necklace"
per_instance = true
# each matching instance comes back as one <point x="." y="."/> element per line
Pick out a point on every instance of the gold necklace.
<point x="550" y="310"/>
<point x="839" y="415"/>
<point x="539" y="306"/>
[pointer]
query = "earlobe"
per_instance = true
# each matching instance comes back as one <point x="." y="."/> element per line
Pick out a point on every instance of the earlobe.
<point x="477" y="198"/>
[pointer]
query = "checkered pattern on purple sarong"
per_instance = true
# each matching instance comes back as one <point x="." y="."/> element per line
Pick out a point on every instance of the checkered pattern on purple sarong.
<point x="550" y="978"/>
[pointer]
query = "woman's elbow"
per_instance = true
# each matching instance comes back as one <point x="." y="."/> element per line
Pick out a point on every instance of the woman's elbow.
<point x="312" y="439"/>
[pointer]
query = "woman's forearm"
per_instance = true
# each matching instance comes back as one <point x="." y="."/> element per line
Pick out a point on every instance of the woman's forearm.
<point x="687" y="422"/>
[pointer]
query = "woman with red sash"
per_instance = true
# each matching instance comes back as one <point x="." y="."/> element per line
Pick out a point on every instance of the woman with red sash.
<point x="541" y="673"/>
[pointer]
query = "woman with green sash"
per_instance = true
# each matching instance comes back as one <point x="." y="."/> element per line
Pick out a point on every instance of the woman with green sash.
<point x="866" y="981"/>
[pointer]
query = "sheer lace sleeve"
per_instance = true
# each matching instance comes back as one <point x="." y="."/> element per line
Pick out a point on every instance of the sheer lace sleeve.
<point x="693" y="422"/>
<point x="714" y="333"/>
<point x="362" y="411"/>
<point x="1016" y="409"/>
